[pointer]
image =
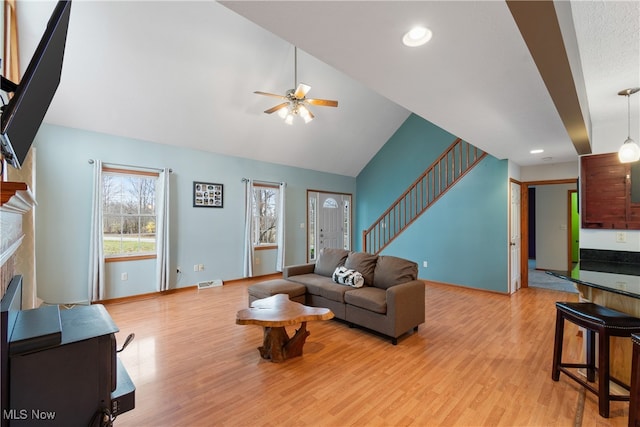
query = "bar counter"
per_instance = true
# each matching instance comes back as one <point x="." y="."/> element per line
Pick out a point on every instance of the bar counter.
<point x="615" y="277"/>
<point x="614" y="285"/>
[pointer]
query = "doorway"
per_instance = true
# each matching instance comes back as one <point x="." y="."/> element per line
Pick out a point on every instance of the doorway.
<point x="329" y="222"/>
<point x="515" y="237"/>
<point x="551" y="224"/>
<point x="574" y="230"/>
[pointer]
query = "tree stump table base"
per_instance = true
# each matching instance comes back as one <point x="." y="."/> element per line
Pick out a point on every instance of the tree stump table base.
<point x="278" y="347"/>
<point x="274" y="313"/>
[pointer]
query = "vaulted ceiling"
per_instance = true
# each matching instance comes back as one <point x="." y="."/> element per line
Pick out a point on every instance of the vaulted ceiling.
<point x="183" y="73"/>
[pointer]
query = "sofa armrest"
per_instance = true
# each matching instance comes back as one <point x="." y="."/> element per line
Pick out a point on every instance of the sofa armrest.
<point x="406" y="304"/>
<point x="296" y="270"/>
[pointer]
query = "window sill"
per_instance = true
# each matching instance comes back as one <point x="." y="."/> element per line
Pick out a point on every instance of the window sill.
<point x="128" y="258"/>
<point x="264" y="247"/>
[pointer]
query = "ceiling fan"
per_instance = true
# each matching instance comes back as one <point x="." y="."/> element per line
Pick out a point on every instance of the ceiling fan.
<point x="296" y="103"/>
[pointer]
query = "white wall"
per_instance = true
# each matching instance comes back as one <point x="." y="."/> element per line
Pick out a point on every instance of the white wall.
<point x="608" y="239"/>
<point x="552" y="226"/>
<point x="514" y="170"/>
<point x="554" y="171"/>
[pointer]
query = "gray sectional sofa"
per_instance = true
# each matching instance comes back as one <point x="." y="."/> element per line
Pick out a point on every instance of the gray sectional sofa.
<point x="391" y="302"/>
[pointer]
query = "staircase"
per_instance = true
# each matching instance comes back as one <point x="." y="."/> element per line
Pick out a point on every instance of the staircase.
<point x="443" y="173"/>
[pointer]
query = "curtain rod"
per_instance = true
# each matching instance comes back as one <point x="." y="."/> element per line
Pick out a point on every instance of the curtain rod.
<point x="91" y="161"/>
<point x="264" y="182"/>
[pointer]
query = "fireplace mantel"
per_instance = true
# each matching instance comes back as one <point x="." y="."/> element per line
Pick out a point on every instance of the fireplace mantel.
<point x="16" y="197"/>
<point x="16" y="200"/>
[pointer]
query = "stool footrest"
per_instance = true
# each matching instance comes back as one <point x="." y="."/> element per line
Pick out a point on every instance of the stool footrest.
<point x="563" y="368"/>
<point x="579" y="380"/>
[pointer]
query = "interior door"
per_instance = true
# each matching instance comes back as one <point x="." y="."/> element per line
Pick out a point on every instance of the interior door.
<point x="515" y="279"/>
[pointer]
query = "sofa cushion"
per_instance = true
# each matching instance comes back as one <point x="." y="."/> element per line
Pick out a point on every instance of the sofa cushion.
<point x="329" y="259"/>
<point x="392" y="271"/>
<point x="364" y="263"/>
<point x="322" y="286"/>
<point x="369" y="298"/>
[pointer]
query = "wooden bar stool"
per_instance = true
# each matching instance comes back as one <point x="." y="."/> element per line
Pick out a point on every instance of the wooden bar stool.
<point x="606" y="323"/>
<point x="634" y="403"/>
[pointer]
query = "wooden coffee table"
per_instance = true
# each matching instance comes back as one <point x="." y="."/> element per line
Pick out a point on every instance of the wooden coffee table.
<point x="274" y="313"/>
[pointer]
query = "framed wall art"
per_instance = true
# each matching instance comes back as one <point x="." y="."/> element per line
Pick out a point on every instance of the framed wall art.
<point x="207" y="195"/>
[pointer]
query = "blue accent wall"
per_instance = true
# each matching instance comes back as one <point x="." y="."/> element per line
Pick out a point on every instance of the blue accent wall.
<point x="464" y="235"/>
<point x="208" y="236"/>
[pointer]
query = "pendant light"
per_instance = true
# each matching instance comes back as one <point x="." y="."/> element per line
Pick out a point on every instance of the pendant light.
<point x="630" y="151"/>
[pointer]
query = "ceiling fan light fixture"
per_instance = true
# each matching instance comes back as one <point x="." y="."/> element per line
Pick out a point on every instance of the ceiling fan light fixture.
<point x="283" y="112"/>
<point x="305" y="114"/>
<point x="630" y="151"/>
<point x="295" y="100"/>
<point x="417" y="36"/>
<point x="289" y="119"/>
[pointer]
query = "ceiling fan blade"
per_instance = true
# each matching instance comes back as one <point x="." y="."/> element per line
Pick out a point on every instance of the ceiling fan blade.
<point x="301" y="90"/>
<point x="322" y="102"/>
<point x="276" y="108"/>
<point x="269" y="94"/>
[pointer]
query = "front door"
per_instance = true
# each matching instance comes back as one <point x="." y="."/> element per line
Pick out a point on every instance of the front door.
<point x="329" y="219"/>
<point x="330" y="222"/>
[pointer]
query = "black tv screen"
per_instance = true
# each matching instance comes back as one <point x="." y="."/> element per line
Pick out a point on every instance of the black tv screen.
<point x="23" y="114"/>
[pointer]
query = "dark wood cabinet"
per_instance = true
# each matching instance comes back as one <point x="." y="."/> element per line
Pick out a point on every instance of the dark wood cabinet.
<point x="606" y="191"/>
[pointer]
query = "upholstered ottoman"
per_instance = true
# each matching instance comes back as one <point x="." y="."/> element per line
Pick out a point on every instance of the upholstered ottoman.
<point x="269" y="288"/>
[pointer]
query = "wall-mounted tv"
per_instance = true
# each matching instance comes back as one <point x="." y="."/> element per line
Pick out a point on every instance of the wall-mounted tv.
<point x="23" y="114"/>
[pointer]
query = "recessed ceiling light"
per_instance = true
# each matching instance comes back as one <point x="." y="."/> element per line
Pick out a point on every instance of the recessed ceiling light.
<point x="417" y="36"/>
<point x="537" y="151"/>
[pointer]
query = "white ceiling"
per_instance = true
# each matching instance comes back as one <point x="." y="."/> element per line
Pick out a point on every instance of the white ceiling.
<point x="183" y="73"/>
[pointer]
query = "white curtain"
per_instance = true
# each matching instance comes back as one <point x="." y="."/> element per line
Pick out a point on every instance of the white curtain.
<point x="281" y="234"/>
<point x="248" y="219"/>
<point x="162" y="231"/>
<point x="96" y="255"/>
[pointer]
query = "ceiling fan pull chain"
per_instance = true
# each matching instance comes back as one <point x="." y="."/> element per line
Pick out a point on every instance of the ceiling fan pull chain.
<point x="295" y="67"/>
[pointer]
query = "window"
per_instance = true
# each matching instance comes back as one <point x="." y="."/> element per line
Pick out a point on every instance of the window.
<point x="265" y="216"/>
<point x="129" y="214"/>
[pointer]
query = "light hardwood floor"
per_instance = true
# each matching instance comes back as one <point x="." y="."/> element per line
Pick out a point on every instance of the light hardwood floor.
<point x="480" y="359"/>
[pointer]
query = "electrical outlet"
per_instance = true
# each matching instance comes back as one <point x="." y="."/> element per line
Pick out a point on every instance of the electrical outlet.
<point x="195" y="267"/>
<point x="201" y="267"/>
<point x="621" y="237"/>
<point x="257" y="260"/>
<point x="425" y="264"/>
<point x="124" y="276"/>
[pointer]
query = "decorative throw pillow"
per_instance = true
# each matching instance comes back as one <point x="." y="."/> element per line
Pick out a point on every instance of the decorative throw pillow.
<point x="345" y="276"/>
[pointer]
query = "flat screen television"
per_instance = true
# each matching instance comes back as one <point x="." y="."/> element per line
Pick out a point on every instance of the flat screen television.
<point x="23" y="114"/>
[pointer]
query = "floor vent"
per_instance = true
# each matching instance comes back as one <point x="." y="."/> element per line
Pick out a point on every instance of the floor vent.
<point x="209" y="284"/>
